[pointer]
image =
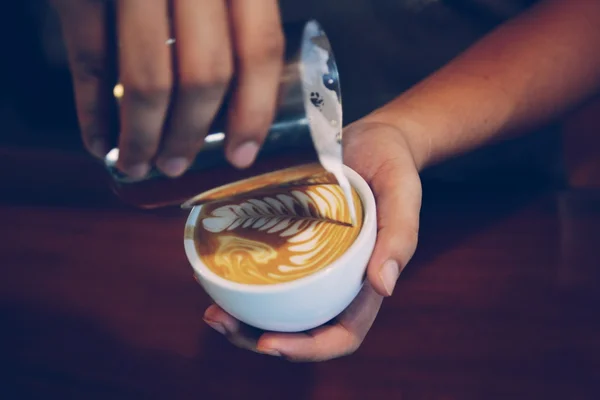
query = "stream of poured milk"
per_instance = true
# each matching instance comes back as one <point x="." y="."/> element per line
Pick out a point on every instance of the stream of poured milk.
<point x="331" y="156"/>
<point x="325" y="114"/>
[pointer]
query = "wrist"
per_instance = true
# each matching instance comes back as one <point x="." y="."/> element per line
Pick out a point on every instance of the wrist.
<point x="413" y="134"/>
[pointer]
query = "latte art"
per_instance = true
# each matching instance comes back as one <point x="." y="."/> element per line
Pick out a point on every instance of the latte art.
<point x="276" y="235"/>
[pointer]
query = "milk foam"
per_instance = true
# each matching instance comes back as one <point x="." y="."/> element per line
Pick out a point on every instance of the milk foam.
<point x="277" y="235"/>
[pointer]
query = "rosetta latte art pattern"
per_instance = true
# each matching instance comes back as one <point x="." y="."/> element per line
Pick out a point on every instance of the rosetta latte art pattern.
<point x="278" y="235"/>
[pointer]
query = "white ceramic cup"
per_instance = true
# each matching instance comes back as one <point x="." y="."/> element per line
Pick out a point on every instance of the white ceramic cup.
<point x="303" y="303"/>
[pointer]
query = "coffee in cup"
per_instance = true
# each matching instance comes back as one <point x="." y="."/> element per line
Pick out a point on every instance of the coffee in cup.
<point x="277" y="234"/>
<point x="307" y="299"/>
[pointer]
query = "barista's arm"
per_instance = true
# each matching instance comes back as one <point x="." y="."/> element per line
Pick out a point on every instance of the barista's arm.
<point x="522" y="74"/>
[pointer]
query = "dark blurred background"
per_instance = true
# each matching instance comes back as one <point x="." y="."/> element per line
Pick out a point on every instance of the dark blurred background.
<point x="97" y="300"/>
<point x="382" y="47"/>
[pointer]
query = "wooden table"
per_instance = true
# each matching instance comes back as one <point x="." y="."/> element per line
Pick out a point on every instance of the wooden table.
<point x="97" y="301"/>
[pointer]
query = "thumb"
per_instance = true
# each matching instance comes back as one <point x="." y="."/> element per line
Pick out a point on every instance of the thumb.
<point x="385" y="161"/>
<point x="398" y="194"/>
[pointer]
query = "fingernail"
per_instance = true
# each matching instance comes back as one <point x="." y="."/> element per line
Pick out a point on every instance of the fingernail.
<point x="216" y="326"/>
<point x="98" y="147"/>
<point x="245" y="154"/>
<point x="138" y="170"/>
<point x="174" y="166"/>
<point x="269" y="352"/>
<point x="389" y="274"/>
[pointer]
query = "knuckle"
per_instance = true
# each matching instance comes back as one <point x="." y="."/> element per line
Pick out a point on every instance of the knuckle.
<point x="148" y="94"/>
<point x="149" y="75"/>
<point x="351" y="341"/>
<point x="201" y="91"/>
<point x="90" y="115"/>
<point x="213" y="73"/>
<point x="147" y="86"/>
<point x="353" y="346"/>
<point x="208" y="80"/>
<point x="88" y="65"/>
<point x="268" y="45"/>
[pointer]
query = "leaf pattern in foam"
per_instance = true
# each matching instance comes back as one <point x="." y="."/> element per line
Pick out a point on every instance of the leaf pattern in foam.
<point x="283" y="213"/>
<point x="310" y="227"/>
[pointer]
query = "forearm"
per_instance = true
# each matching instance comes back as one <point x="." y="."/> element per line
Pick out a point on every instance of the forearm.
<point x="521" y="75"/>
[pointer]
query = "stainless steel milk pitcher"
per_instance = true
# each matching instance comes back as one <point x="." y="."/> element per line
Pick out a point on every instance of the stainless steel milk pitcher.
<point x="305" y="136"/>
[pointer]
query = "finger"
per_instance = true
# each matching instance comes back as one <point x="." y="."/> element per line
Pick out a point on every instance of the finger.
<point x="238" y="333"/>
<point x="395" y="182"/>
<point x="328" y="341"/>
<point x="398" y="192"/>
<point x="83" y="27"/>
<point x="259" y="45"/>
<point x="145" y="73"/>
<point x="205" y="66"/>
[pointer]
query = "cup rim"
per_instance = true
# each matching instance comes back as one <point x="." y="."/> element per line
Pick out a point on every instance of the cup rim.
<point x="369" y="224"/>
